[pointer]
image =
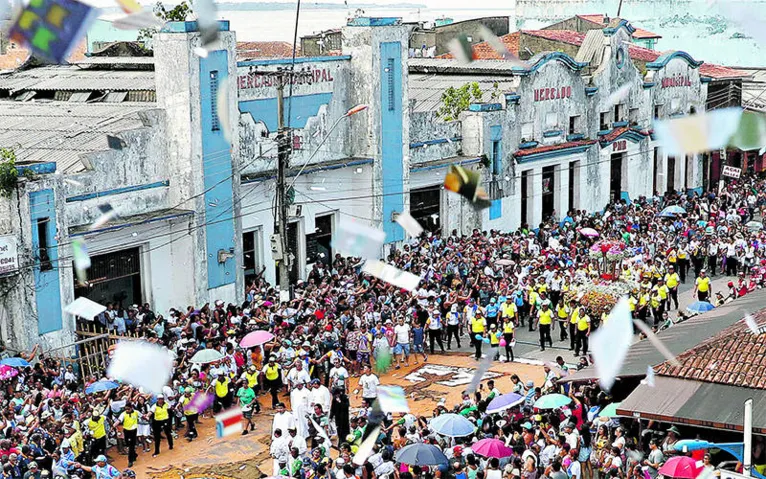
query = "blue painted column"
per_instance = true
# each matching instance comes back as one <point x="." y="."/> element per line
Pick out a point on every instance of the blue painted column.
<point x="217" y="172"/>
<point x="391" y="137"/>
<point x="42" y="206"/>
<point x="496" y="138"/>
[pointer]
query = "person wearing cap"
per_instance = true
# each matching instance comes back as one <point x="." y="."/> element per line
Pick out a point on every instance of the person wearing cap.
<point x="671" y="281"/>
<point x="161" y="422"/>
<point x="97" y="427"/>
<point x="191" y="414"/>
<point x="702" y="286"/>
<point x="478" y="326"/>
<point x="297" y="441"/>
<point x="129" y="420"/>
<point x="221" y="385"/>
<point x="544" y="323"/>
<point x="102" y="469"/>
<point x="65" y="462"/>
<point x="272" y="379"/>
<point x="33" y="471"/>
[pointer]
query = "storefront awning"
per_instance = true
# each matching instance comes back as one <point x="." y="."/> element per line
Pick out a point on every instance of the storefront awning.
<point x="680" y="337"/>
<point x="695" y="403"/>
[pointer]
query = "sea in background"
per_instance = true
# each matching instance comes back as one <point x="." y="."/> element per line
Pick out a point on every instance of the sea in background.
<point x="697" y="26"/>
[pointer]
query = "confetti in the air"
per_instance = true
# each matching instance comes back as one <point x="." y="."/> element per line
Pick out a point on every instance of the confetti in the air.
<point x="228" y="422"/>
<point x="697" y="133"/>
<point x="410" y="224"/>
<point x="392" y="399"/>
<point x="752" y="325"/>
<point x="610" y="344"/>
<point x="391" y="274"/>
<point x="358" y="240"/>
<point x="141" y="364"/>
<point x="656" y="341"/>
<point x="467" y="183"/>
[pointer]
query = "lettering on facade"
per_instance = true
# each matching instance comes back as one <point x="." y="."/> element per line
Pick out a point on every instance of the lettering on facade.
<point x="265" y="80"/>
<point x="676" y="81"/>
<point x="9" y="259"/>
<point x="620" y="145"/>
<point x="543" y="94"/>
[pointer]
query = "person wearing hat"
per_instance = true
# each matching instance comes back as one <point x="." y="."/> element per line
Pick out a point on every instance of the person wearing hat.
<point x="272" y="379"/>
<point x="161" y="422"/>
<point x="478" y="326"/>
<point x="297" y="441"/>
<point x="191" y="413"/>
<point x="129" y="420"/>
<point x="702" y="286"/>
<point x="671" y="282"/>
<point x="221" y="385"/>
<point x="544" y="323"/>
<point x="33" y="471"/>
<point x="102" y="469"/>
<point x="97" y="427"/>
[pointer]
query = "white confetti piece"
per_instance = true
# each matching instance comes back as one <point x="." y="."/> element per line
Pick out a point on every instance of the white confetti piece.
<point x="143" y="364"/>
<point x="410" y="224"/>
<point x="365" y="449"/>
<point x="751" y="324"/>
<point x="610" y="344"/>
<point x="479" y="374"/>
<point x="656" y="341"/>
<point x="137" y="21"/>
<point x="84" y="308"/>
<point x="391" y="274"/>
<point x="358" y="240"/>
<point x="697" y="133"/>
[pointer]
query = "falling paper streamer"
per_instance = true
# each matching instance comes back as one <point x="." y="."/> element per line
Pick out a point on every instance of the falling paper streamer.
<point x="479" y="374"/>
<point x="467" y="183"/>
<point x="697" y="133"/>
<point x="141" y="364"/>
<point x="649" y="380"/>
<point x="610" y="344"/>
<point x="199" y="402"/>
<point x="410" y="224"/>
<point x="207" y="21"/>
<point x="392" y="399"/>
<point x="52" y="28"/>
<point x="461" y="48"/>
<point x="365" y="449"/>
<point x="499" y="47"/>
<point x="222" y="106"/>
<point x="618" y="95"/>
<point x="129" y="6"/>
<point x="391" y="274"/>
<point x="656" y="341"/>
<point x="751" y="132"/>
<point x="358" y="240"/>
<point x="107" y="214"/>
<point x="752" y="325"/>
<point x="137" y="21"/>
<point x="228" y="422"/>
<point x="84" y="308"/>
<point x="81" y="259"/>
<point x="320" y="430"/>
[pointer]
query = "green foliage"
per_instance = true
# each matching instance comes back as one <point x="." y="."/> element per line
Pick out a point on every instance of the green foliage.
<point x="179" y="13"/>
<point x="8" y="173"/>
<point x="455" y="100"/>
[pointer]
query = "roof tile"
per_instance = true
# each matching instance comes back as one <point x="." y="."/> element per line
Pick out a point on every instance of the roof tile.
<point x="252" y="50"/>
<point x="560" y="146"/>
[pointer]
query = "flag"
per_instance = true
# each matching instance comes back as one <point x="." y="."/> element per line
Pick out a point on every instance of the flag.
<point x="52" y="28"/>
<point x="199" y="402"/>
<point x="467" y="183"/>
<point x="228" y="422"/>
<point x="365" y="449"/>
<point x="356" y="239"/>
<point x="391" y="274"/>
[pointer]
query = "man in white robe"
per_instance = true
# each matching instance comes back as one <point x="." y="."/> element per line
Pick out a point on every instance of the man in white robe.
<point x="280" y="449"/>
<point x="299" y="400"/>
<point x="298" y="442"/>
<point x="320" y="394"/>
<point x="283" y="420"/>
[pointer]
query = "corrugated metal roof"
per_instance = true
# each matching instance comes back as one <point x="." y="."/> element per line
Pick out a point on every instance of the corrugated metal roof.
<point x="427" y="90"/>
<point x="61" y="131"/>
<point x="592" y="48"/>
<point x="680" y="337"/>
<point x="115" y="61"/>
<point x="684" y="401"/>
<point x="448" y="65"/>
<point x="66" y="77"/>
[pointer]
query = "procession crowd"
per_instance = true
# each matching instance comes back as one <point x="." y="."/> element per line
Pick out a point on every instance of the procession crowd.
<point x="476" y="289"/>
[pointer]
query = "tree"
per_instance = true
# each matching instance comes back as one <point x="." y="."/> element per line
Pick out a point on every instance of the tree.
<point x="179" y="13"/>
<point x="455" y="100"/>
<point x="9" y="175"/>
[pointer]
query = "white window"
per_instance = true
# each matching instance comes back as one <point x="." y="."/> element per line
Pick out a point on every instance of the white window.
<point x="528" y="131"/>
<point x="551" y="120"/>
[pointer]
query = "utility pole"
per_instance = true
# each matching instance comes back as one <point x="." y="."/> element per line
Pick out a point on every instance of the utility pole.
<point x="280" y="216"/>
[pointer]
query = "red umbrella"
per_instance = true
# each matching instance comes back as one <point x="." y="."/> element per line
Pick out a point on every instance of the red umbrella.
<point x="256" y="338"/>
<point x="680" y="467"/>
<point x="492" y="448"/>
<point x="7" y="372"/>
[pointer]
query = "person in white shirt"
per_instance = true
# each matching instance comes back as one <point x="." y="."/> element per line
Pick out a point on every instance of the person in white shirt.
<point x="339" y="376"/>
<point x="280" y="449"/>
<point x="283" y="420"/>
<point x="299" y="401"/>
<point x="320" y="394"/>
<point x="369" y="384"/>
<point x="297" y="441"/>
<point x="402" y="348"/>
<point x="297" y="375"/>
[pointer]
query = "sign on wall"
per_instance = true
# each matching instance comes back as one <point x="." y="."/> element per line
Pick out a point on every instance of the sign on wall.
<point x="558" y="93"/>
<point x="619" y="145"/>
<point x="9" y="258"/>
<point x="731" y="172"/>
<point x="676" y="81"/>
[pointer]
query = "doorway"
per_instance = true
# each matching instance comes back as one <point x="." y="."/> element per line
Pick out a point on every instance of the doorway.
<point x="251" y="254"/>
<point x="615" y="177"/>
<point x="548" y="189"/>
<point x="318" y="249"/>
<point x="524" y="196"/>
<point x="425" y="207"/>
<point x="671" y="169"/>
<point x="113" y="278"/>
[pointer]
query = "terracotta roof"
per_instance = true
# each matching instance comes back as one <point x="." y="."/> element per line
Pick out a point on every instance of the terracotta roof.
<point x="560" y="146"/>
<point x="251" y="50"/>
<point x="598" y="19"/>
<point x="720" y="72"/>
<point x="617" y="132"/>
<point x="565" y="36"/>
<point x="643" y="54"/>
<point x="641" y="33"/>
<point x="735" y="356"/>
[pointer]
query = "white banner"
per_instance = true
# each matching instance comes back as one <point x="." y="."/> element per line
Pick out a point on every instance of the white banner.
<point x="731" y="171"/>
<point x="9" y="258"/>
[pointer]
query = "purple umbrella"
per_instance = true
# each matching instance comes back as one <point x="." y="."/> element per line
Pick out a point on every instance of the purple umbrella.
<point x="506" y="401"/>
<point x="256" y="338"/>
<point x="7" y="372"/>
<point x="492" y="448"/>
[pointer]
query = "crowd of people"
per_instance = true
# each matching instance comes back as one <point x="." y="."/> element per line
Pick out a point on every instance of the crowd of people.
<point x="475" y="289"/>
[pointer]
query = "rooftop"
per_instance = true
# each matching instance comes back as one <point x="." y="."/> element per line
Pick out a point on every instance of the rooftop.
<point x="76" y="78"/>
<point x="252" y="50"/>
<point x="62" y="132"/>
<point x="603" y="21"/>
<point x="426" y="90"/>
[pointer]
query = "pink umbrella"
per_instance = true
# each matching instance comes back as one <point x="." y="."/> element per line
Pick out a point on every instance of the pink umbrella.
<point x="256" y="338"/>
<point x="492" y="448"/>
<point x="7" y="372"/>
<point x="680" y="467"/>
<point x="589" y="232"/>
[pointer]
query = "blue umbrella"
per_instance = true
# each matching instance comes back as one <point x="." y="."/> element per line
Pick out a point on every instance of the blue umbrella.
<point x="100" y="386"/>
<point x="420" y="454"/>
<point x="452" y="425"/>
<point x="552" y="401"/>
<point x="673" y="210"/>
<point x="701" y="223"/>
<point x="15" y="362"/>
<point x="501" y="403"/>
<point x="698" y="307"/>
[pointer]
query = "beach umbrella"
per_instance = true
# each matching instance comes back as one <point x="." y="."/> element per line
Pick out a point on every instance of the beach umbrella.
<point x="420" y="454"/>
<point x="673" y="210"/>
<point x="15" y="362"/>
<point x="206" y="356"/>
<point x="701" y="223"/>
<point x="589" y="232"/>
<point x="754" y="225"/>
<point x="506" y="401"/>
<point x="698" y="307"/>
<point x="680" y="467"/>
<point x="100" y="386"/>
<point x="552" y="401"/>
<point x="7" y="372"/>
<point x="492" y="448"/>
<point x="610" y="410"/>
<point x="452" y="425"/>
<point x="256" y="338"/>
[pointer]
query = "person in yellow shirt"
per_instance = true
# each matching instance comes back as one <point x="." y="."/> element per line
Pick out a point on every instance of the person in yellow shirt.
<point x="545" y="323"/>
<point x="508" y="310"/>
<point x="574" y="315"/>
<point x="97" y="427"/>
<point x="161" y="423"/>
<point x="655" y="301"/>
<point x="478" y="326"/>
<point x="671" y="281"/>
<point x="191" y="414"/>
<point x="562" y="313"/>
<point x="508" y="336"/>
<point x="222" y="397"/>
<point x="643" y="304"/>
<point x="129" y="421"/>
<point x="702" y="286"/>
<point x="583" y="332"/>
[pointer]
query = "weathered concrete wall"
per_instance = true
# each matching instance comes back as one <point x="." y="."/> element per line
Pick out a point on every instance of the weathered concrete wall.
<point x="426" y="127"/>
